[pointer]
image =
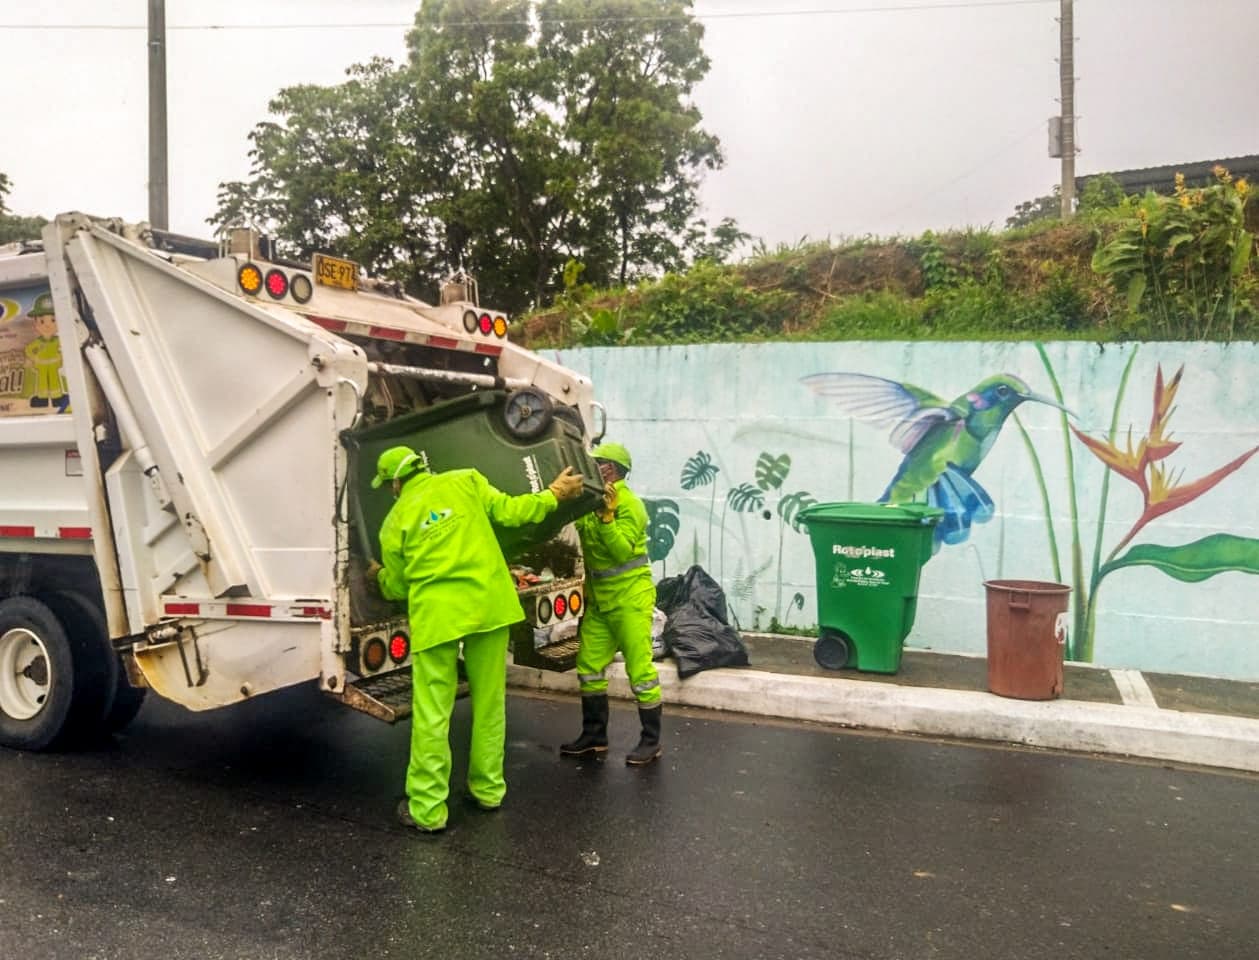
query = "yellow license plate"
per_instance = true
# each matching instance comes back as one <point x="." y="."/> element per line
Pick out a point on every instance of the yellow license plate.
<point x="335" y="272"/>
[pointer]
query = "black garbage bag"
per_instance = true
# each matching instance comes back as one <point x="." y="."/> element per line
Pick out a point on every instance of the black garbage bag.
<point x="698" y="633"/>
<point x="694" y="586"/>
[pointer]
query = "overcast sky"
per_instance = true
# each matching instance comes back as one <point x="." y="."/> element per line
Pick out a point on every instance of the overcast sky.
<point x="838" y="117"/>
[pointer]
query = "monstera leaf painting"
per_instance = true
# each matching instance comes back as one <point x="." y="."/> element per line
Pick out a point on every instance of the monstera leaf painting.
<point x="700" y="471"/>
<point x="663" y="523"/>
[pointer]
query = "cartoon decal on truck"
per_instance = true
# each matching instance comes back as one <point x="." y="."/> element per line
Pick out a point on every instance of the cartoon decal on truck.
<point x="31" y="378"/>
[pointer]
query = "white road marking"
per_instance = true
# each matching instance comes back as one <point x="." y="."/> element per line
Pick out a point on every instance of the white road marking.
<point x="1133" y="688"/>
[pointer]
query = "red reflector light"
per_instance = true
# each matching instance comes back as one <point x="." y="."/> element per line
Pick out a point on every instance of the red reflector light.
<point x="560" y="605"/>
<point x="574" y="603"/>
<point x="486" y="323"/>
<point x="248" y="610"/>
<point x="374" y="654"/>
<point x="399" y="647"/>
<point x="277" y="284"/>
<point x="544" y="610"/>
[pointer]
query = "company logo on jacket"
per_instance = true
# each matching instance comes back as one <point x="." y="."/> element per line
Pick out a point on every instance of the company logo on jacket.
<point x="434" y="517"/>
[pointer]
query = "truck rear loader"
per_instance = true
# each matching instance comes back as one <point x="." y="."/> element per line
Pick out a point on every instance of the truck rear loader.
<point x="188" y="430"/>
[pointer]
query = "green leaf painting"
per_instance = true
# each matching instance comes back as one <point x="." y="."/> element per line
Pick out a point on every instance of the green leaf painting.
<point x="789" y="508"/>
<point x="699" y="471"/>
<point x="746" y="498"/>
<point x="1193" y="562"/>
<point x="663" y="523"/>
<point x="771" y="471"/>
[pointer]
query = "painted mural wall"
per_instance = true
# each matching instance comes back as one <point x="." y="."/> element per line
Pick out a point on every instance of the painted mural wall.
<point x="1123" y="471"/>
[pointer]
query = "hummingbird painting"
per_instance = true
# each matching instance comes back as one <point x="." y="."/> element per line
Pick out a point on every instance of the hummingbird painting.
<point x="943" y="443"/>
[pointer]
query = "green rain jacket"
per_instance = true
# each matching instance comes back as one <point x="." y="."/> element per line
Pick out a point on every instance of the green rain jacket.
<point x="606" y="546"/>
<point x="439" y="554"/>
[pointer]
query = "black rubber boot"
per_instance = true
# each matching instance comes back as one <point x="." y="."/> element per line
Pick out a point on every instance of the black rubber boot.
<point x="594" y="728"/>
<point x="648" y="748"/>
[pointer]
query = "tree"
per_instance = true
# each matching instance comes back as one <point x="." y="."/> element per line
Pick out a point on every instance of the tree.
<point x="339" y="175"/>
<point x="13" y="227"/>
<point x="1101" y="192"/>
<point x="1042" y="208"/>
<point x="520" y="134"/>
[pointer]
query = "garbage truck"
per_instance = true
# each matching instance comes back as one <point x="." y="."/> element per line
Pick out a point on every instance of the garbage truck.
<point x="188" y="429"/>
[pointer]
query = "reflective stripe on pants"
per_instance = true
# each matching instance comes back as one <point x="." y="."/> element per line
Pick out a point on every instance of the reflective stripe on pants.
<point x="626" y="628"/>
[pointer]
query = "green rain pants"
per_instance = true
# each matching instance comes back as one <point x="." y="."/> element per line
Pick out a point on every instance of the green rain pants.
<point x="625" y="627"/>
<point x="434" y="683"/>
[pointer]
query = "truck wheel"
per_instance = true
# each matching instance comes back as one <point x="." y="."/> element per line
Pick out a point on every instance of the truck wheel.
<point x="127" y="702"/>
<point x="528" y="413"/>
<point x="86" y="620"/>
<point x="51" y="687"/>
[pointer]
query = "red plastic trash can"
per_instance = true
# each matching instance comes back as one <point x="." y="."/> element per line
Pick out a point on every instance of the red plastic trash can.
<point x="1027" y="638"/>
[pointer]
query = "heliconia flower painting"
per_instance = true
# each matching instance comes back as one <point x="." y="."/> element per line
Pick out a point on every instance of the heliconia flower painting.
<point x="1162" y="490"/>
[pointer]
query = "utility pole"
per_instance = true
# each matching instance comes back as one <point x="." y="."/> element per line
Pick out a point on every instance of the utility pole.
<point x="158" y="211"/>
<point x="1066" y="78"/>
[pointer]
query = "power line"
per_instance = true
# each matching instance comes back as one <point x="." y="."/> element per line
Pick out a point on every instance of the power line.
<point x="733" y="15"/>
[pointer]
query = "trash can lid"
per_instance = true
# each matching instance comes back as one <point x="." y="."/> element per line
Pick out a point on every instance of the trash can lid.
<point x="905" y="514"/>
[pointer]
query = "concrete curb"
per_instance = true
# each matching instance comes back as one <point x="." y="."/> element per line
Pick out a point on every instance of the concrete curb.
<point x="1137" y="731"/>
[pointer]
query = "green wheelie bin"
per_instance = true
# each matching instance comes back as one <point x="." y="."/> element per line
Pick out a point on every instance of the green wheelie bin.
<point x="481" y="430"/>
<point x="869" y="558"/>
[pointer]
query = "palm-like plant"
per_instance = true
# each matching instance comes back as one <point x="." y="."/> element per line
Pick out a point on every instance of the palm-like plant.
<point x="700" y="471"/>
<point x="663" y="523"/>
<point x="789" y="508"/>
<point x="745" y="498"/>
<point x="771" y="474"/>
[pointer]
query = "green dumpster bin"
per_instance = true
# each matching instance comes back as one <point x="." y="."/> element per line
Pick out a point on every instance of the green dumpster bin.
<point x="869" y="557"/>
<point x="477" y="430"/>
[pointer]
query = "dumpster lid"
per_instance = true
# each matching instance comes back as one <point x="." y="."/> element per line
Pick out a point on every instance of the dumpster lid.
<point x="909" y="514"/>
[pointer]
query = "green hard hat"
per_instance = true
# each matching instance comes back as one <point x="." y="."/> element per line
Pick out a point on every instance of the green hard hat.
<point x="396" y="463"/>
<point x="42" y="306"/>
<point x="615" y="453"/>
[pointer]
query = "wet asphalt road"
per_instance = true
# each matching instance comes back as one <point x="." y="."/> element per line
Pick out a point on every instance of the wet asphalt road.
<point x="266" y="831"/>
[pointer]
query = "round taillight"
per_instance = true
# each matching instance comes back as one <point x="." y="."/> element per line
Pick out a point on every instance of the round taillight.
<point x="399" y="647"/>
<point x="544" y="610"/>
<point x="301" y="288"/>
<point x="574" y="603"/>
<point x="250" y="279"/>
<point x="500" y="326"/>
<point x="374" y="654"/>
<point x="560" y="605"/>
<point x="470" y="321"/>
<point x="277" y="284"/>
<point x="486" y="323"/>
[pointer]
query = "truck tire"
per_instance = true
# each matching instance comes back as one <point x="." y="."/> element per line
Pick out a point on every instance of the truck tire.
<point x="85" y="618"/>
<point x="52" y="684"/>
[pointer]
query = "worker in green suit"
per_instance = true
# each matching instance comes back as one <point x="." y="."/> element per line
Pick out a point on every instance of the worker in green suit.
<point x="439" y="553"/>
<point x="620" y="599"/>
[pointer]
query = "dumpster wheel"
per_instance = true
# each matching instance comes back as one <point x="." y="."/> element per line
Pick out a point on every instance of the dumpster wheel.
<point x="528" y="413"/>
<point x="832" y="649"/>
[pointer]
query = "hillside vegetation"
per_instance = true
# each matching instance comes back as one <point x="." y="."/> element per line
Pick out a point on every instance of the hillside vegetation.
<point x="1176" y="267"/>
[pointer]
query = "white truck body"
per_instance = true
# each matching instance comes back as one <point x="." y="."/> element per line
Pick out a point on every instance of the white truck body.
<point x="198" y="477"/>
